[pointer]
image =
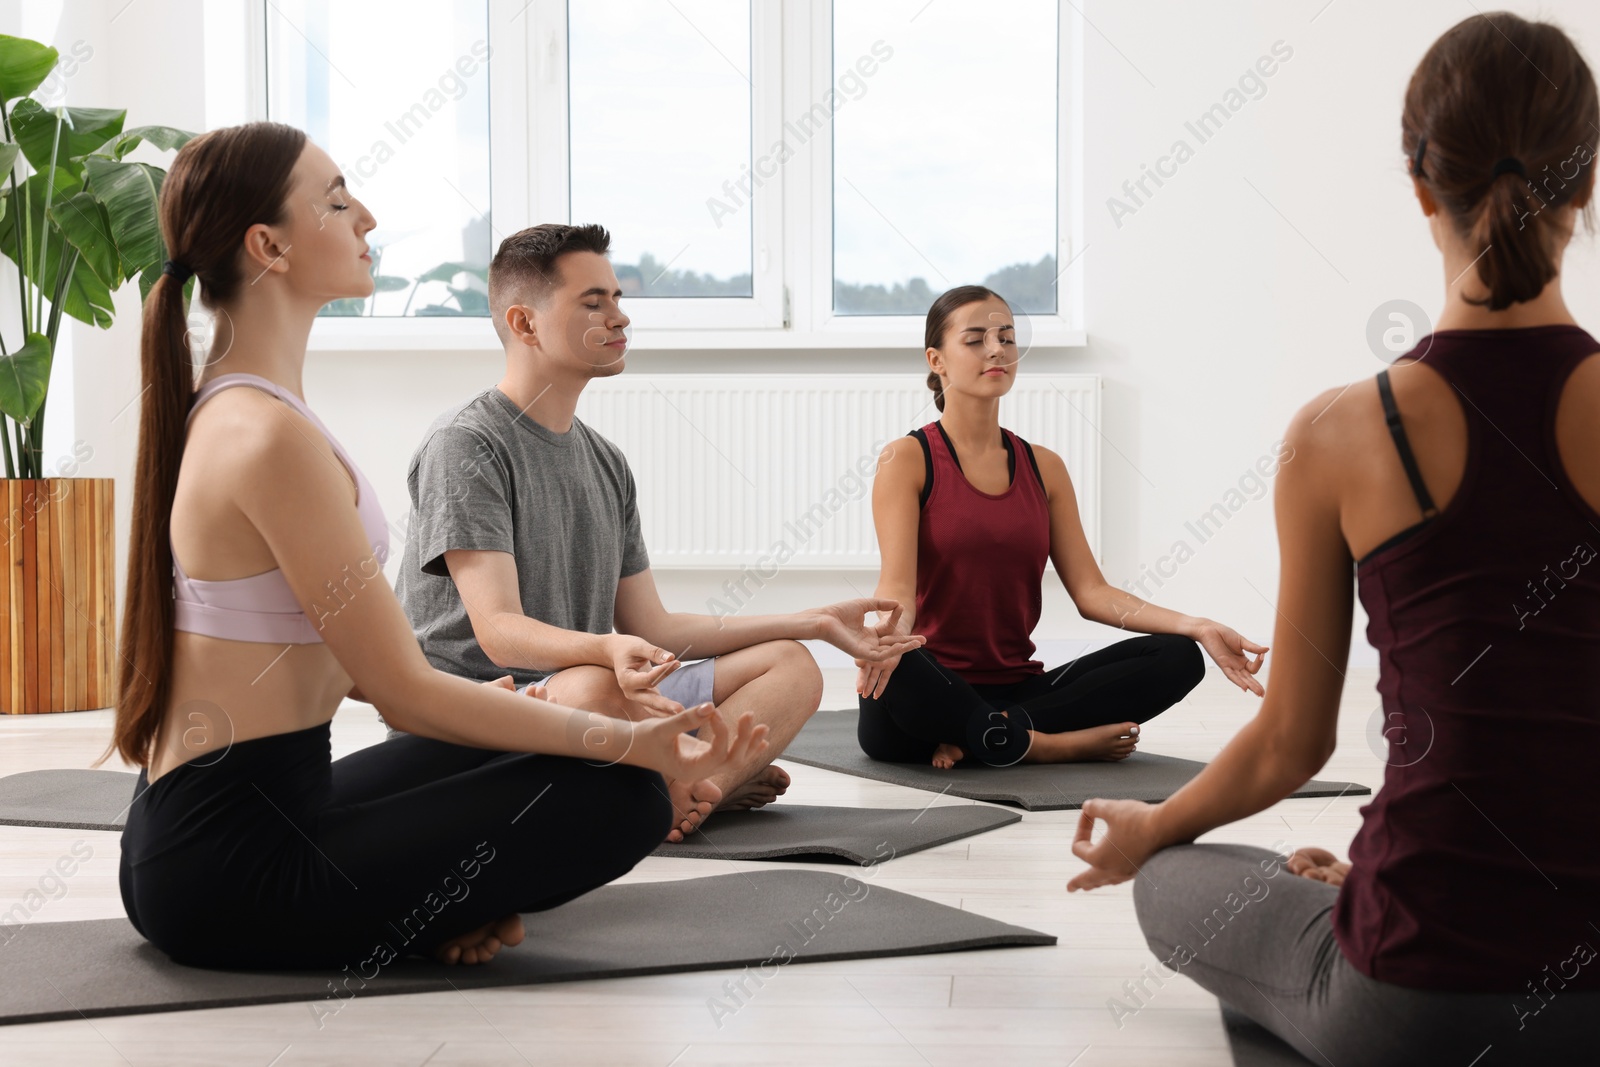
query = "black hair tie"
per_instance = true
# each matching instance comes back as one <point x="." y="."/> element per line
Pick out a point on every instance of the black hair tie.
<point x="1509" y="165"/>
<point x="177" y="270"/>
<point x="1416" y="157"/>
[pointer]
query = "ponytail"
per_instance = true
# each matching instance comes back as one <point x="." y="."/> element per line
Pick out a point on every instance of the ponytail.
<point x="144" y="680"/>
<point x="1518" y="251"/>
<point x="1500" y="123"/>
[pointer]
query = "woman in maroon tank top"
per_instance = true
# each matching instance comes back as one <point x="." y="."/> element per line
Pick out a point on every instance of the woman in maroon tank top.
<point x="967" y="514"/>
<point x="1462" y="488"/>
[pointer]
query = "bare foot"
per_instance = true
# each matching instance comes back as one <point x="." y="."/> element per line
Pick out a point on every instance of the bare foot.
<point x="480" y="945"/>
<point x="1319" y="865"/>
<point x="691" y="803"/>
<point x="768" y="784"/>
<point x="947" y="756"/>
<point x="1114" y="742"/>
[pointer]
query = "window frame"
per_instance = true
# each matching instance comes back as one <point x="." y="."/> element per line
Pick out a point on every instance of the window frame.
<point x="1061" y="329"/>
<point x="791" y="213"/>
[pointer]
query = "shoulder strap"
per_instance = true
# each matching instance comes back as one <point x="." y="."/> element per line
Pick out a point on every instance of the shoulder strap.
<point x="927" y="467"/>
<point x="1032" y="462"/>
<point x="1391" y="415"/>
<point x="949" y="445"/>
<point x="254" y="381"/>
<point x="271" y="388"/>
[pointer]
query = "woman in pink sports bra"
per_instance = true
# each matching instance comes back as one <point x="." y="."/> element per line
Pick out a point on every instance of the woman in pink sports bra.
<point x="256" y="602"/>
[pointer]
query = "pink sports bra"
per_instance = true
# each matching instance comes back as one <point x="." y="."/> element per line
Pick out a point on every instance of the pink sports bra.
<point x="262" y="607"/>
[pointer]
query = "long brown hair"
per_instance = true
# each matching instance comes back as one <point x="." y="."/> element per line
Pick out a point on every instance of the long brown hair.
<point x="220" y="184"/>
<point x="945" y="305"/>
<point x="1500" y="122"/>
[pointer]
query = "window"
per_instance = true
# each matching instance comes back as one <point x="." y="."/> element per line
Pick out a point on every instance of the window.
<point x="806" y="175"/>
<point x="659" y="124"/>
<point x="405" y="114"/>
<point x="944" y="154"/>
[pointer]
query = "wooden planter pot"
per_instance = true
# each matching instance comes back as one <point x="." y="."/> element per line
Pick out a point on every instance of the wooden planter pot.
<point x="58" y="644"/>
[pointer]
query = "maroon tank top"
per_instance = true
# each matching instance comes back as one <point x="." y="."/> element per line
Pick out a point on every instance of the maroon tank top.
<point x="1476" y="868"/>
<point x="980" y="564"/>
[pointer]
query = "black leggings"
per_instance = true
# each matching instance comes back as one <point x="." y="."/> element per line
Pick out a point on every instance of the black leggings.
<point x="925" y="704"/>
<point x="273" y="855"/>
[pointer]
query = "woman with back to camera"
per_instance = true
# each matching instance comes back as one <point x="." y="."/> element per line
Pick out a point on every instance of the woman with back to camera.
<point x="966" y="515"/>
<point x="1463" y="485"/>
<point x="256" y="602"/>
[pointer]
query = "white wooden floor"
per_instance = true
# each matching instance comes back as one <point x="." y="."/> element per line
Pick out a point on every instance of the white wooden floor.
<point x="1018" y="1007"/>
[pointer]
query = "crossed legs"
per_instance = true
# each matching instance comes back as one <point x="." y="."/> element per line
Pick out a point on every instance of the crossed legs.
<point x="1260" y="938"/>
<point x="778" y="681"/>
<point x="1089" y="709"/>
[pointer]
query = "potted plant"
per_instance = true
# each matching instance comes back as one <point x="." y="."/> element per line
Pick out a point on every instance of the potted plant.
<point x="77" y="220"/>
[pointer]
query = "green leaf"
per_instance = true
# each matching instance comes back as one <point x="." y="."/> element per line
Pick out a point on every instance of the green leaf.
<point x="83" y="221"/>
<point x="389" y="283"/>
<point x="167" y="138"/>
<point x="82" y="130"/>
<point x="32" y="192"/>
<point x="8" y="157"/>
<point x="25" y="377"/>
<point x="86" y="298"/>
<point x="131" y="196"/>
<point x="24" y="65"/>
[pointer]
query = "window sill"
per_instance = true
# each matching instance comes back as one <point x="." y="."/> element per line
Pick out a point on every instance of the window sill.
<point x="476" y="335"/>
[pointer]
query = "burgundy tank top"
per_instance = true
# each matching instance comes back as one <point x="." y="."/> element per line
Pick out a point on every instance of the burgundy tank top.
<point x="1476" y="868"/>
<point x="980" y="564"/>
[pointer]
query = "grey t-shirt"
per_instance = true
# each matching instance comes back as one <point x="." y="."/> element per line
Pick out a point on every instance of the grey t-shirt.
<point x="486" y="476"/>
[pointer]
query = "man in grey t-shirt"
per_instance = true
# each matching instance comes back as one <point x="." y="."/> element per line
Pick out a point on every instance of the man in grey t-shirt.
<point x="524" y="552"/>
<point x="488" y="478"/>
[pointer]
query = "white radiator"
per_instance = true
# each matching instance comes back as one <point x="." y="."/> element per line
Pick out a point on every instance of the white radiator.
<point x="738" y="470"/>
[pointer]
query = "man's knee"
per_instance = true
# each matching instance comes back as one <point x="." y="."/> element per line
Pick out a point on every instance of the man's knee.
<point x="801" y="670"/>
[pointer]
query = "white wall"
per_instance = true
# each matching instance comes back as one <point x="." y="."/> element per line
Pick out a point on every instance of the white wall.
<point x="1229" y="298"/>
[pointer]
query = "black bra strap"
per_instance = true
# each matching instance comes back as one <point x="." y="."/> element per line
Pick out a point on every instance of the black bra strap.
<point x="1033" y="462"/>
<point x="927" y="467"/>
<point x="1391" y="415"/>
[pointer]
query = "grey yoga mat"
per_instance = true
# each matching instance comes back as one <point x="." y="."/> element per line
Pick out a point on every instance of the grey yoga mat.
<point x="829" y="741"/>
<point x="98" y="800"/>
<point x="1253" y="1045"/>
<point x="71" y="799"/>
<point x="762" y="919"/>
<point x="865" y="836"/>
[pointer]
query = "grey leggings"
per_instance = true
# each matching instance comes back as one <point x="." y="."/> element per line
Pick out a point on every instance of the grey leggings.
<point x="1263" y="943"/>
